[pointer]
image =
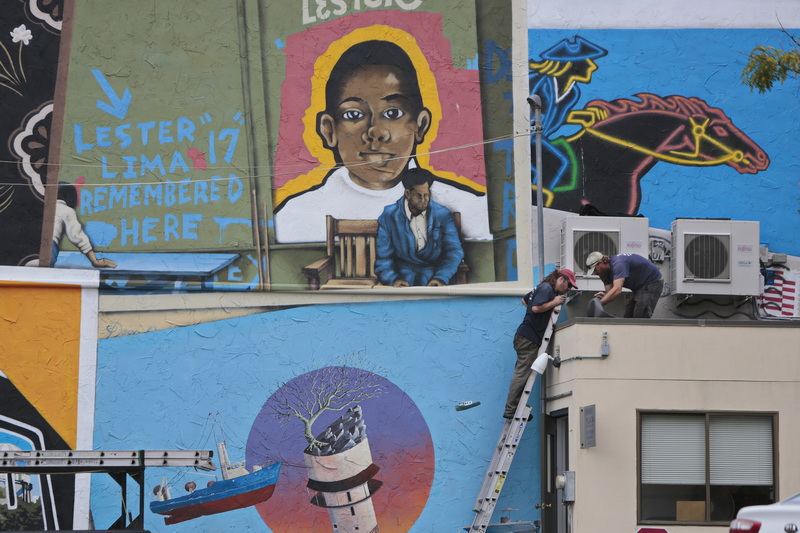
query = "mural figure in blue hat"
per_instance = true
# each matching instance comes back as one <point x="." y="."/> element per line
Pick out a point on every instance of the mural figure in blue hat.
<point x="555" y="80"/>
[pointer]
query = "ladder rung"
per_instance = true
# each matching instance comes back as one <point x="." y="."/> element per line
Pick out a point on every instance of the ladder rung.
<point x="506" y="447"/>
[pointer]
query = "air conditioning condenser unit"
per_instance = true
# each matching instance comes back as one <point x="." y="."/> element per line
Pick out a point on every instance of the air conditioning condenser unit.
<point x="581" y="236"/>
<point x="715" y="257"/>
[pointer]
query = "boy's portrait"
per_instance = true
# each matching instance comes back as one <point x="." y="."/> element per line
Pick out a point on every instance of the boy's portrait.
<point x="375" y="115"/>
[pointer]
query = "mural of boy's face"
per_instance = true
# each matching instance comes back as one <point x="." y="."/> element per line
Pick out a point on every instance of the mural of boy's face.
<point x="375" y="126"/>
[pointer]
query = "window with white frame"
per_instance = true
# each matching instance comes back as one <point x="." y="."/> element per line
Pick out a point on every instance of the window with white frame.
<point x="704" y="467"/>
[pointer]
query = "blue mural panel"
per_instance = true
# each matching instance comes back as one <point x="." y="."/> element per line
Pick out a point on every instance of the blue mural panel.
<point x="279" y="385"/>
<point x="729" y="158"/>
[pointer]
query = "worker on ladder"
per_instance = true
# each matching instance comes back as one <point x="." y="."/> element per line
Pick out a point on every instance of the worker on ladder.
<point x="539" y="305"/>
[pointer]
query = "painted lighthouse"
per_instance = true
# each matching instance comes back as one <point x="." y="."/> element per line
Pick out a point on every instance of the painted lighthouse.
<point x="341" y="471"/>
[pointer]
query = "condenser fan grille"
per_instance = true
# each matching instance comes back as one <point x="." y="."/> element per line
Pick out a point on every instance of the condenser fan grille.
<point x="587" y="242"/>
<point x="707" y="256"/>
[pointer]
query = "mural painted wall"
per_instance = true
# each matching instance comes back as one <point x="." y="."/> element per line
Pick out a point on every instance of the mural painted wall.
<point x="338" y="410"/>
<point x="30" y="47"/>
<point x="373" y="109"/>
<point x="205" y="146"/>
<point x="48" y="341"/>
<point x="657" y="123"/>
<point x="198" y="145"/>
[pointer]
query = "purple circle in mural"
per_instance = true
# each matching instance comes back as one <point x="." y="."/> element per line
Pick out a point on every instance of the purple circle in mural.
<point x="321" y="405"/>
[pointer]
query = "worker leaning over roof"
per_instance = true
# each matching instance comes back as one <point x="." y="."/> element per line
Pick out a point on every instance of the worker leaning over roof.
<point x="630" y="271"/>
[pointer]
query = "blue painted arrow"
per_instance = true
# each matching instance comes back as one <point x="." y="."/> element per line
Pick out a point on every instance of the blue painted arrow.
<point x="118" y="106"/>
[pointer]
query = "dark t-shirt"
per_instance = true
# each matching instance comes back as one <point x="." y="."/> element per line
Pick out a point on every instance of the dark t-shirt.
<point x="637" y="270"/>
<point x="534" y="324"/>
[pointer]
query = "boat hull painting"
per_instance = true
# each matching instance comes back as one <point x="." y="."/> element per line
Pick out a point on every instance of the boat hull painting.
<point x="221" y="496"/>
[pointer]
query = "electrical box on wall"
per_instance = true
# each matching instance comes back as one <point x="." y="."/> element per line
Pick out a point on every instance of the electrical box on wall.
<point x="566" y="482"/>
<point x="715" y="257"/>
<point x="610" y="235"/>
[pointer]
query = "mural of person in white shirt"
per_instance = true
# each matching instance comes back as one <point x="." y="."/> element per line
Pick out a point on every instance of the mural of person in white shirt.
<point x="67" y="224"/>
<point x="373" y="121"/>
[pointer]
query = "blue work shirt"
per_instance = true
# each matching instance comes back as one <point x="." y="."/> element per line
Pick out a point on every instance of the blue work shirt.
<point x="638" y="271"/>
<point x="534" y="324"/>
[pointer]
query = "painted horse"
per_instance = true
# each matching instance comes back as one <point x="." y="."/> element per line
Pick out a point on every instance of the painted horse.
<point x="621" y="140"/>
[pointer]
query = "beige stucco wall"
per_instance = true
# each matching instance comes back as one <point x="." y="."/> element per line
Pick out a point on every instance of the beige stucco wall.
<point x="666" y="365"/>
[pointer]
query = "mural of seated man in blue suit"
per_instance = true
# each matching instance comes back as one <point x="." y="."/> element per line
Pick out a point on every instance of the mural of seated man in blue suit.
<point x="417" y="242"/>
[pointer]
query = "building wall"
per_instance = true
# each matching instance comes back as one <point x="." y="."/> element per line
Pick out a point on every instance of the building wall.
<point x="195" y="140"/>
<point x="700" y="366"/>
<point x="185" y="129"/>
<point x="48" y="353"/>
<point x="596" y="149"/>
<point x="157" y="389"/>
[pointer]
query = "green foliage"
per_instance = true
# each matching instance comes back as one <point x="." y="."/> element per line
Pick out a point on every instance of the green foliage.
<point x="766" y="65"/>
<point x="27" y="516"/>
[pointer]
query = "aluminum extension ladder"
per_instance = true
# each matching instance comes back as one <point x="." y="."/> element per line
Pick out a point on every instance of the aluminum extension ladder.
<point x="506" y="447"/>
<point x="76" y="461"/>
<point x="119" y="464"/>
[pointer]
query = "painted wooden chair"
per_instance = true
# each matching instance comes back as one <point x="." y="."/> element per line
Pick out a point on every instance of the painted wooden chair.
<point x="350" y="254"/>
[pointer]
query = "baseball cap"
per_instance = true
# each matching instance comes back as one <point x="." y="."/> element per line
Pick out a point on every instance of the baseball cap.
<point x="591" y="261"/>
<point x="570" y="275"/>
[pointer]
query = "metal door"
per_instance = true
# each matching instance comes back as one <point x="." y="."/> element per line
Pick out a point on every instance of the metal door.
<point x="555" y="461"/>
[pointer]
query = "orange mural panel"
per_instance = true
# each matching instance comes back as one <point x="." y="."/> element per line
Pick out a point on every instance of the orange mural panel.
<point x="40" y="349"/>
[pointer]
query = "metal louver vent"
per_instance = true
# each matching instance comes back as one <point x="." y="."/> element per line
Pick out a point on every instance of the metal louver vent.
<point x="707" y="256"/>
<point x="587" y="242"/>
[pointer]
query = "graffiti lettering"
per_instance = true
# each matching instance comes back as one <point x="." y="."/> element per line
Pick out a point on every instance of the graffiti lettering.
<point x="169" y="193"/>
<point x="497" y="64"/>
<point x="115" y="329"/>
<point x="133" y="151"/>
<point x="145" y="164"/>
<point x="511" y="259"/>
<point x="509" y="207"/>
<point x="227" y="133"/>
<point x="150" y="229"/>
<point x="321" y="10"/>
<point x="317" y="10"/>
<point x="183" y="131"/>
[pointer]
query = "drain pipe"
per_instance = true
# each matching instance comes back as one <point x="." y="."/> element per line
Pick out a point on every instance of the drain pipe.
<point x="605" y="350"/>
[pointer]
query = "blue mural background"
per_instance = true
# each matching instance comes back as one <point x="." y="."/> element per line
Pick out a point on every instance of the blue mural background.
<point x="155" y="390"/>
<point x="706" y="63"/>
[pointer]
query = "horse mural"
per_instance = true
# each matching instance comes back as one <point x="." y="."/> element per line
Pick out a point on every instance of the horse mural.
<point x="621" y="140"/>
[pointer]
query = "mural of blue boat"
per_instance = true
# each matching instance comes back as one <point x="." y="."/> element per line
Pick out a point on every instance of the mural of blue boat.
<point x="238" y="488"/>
